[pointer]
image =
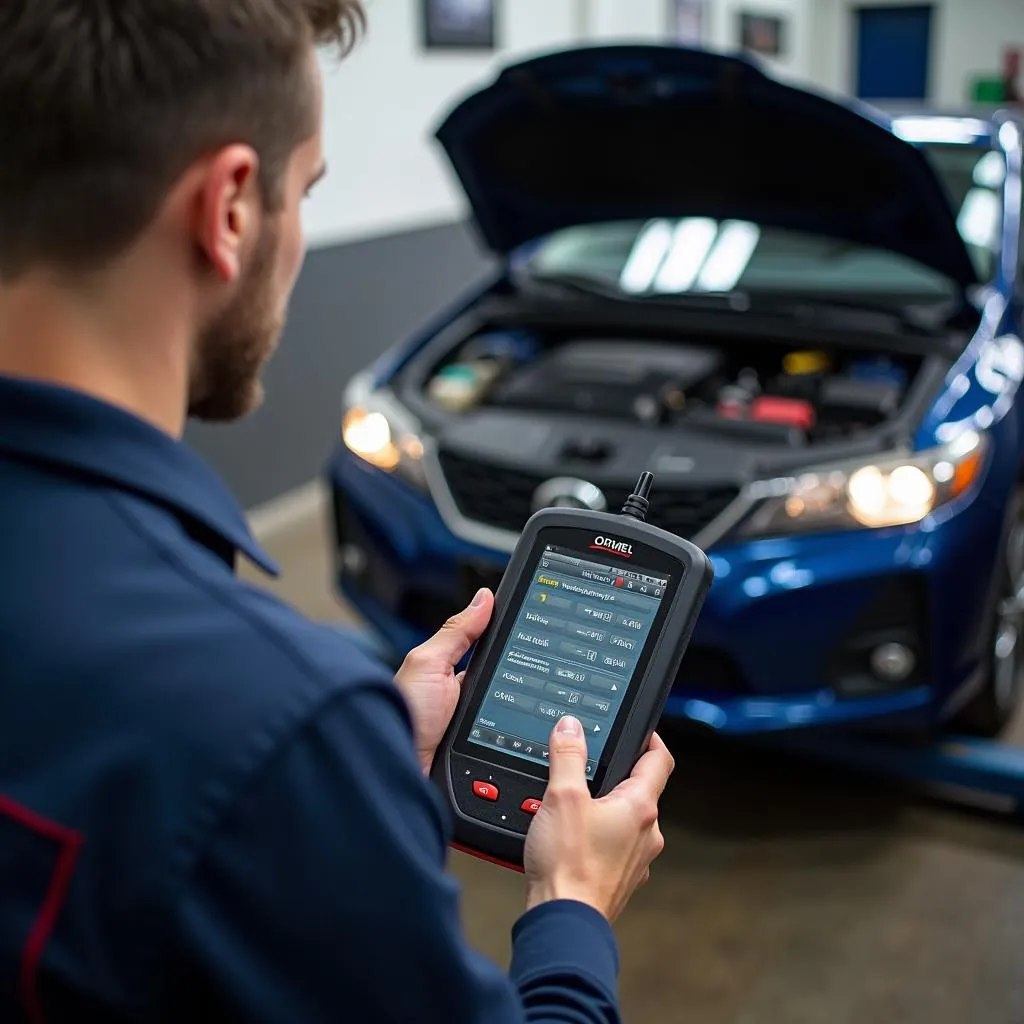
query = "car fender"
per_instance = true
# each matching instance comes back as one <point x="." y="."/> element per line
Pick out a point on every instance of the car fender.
<point x="982" y="392"/>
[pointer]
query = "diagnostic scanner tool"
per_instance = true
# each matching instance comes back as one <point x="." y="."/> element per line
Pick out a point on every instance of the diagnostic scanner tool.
<point x="591" y="619"/>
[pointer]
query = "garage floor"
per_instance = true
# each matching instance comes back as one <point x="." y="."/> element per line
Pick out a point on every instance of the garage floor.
<point x="788" y="893"/>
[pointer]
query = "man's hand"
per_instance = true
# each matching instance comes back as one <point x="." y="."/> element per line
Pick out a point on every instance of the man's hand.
<point x="594" y="851"/>
<point x="427" y="677"/>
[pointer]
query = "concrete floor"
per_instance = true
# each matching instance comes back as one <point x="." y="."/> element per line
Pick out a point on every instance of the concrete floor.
<point x="788" y="893"/>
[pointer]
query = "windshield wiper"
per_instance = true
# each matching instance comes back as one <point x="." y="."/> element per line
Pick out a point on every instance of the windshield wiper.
<point x="925" y="320"/>
<point x="578" y="283"/>
<point x="590" y="286"/>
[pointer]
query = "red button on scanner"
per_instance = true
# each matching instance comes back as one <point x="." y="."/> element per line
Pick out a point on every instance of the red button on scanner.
<point x="485" y="790"/>
<point x="530" y="806"/>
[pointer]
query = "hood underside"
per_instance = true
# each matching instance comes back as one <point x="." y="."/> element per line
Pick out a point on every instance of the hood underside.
<point x="632" y="132"/>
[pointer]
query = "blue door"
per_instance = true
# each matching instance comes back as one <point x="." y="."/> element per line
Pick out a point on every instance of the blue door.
<point x="893" y="48"/>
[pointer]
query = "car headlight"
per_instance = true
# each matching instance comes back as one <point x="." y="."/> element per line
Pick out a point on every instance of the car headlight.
<point x="895" y="491"/>
<point x="377" y="429"/>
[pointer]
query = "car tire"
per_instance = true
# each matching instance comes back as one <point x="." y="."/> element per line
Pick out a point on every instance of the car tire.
<point x="994" y="706"/>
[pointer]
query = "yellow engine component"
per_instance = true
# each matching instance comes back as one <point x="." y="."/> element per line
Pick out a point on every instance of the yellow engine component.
<point x="797" y="364"/>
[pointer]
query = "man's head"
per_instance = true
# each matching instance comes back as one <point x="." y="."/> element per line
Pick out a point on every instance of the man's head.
<point x="187" y="131"/>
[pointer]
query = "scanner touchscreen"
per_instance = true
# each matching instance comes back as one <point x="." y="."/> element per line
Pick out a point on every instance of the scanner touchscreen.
<point x="572" y="650"/>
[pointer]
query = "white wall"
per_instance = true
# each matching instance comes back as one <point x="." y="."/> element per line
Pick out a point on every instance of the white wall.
<point x="968" y="38"/>
<point x="796" y="62"/>
<point x="627" y="20"/>
<point x="382" y="105"/>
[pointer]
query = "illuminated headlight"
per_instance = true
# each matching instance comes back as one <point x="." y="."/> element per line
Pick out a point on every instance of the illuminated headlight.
<point x="897" y="491"/>
<point x="377" y="429"/>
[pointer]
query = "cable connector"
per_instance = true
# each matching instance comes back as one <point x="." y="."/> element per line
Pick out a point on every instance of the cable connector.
<point x="638" y="502"/>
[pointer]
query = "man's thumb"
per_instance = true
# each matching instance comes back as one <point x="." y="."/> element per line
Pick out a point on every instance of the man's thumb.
<point x="568" y="756"/>
<point x="463" y="629"/>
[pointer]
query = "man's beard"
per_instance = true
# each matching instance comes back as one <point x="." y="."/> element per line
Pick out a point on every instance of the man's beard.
<point x="233" y="349"/>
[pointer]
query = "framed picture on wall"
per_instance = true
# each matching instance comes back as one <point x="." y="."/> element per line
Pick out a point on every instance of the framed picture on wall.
<point x="687" y="22"/>
<point x="762" y="34"/>
<point x="459" y="24"/>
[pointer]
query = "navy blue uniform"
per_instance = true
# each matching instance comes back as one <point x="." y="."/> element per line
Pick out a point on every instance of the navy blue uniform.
<point x="210" y="808"/>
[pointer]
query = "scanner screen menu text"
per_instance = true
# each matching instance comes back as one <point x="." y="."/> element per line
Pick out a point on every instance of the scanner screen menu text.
<point x="572" y="650"/>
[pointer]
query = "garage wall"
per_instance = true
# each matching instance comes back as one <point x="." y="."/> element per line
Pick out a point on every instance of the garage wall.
<point x="382" y="105"/>
<point x="630" y="20"/>
<point x="969" y="37"/>
<point x="796" y="63"/>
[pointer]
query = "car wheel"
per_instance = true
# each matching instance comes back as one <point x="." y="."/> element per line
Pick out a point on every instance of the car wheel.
<point x="992" y="708"/>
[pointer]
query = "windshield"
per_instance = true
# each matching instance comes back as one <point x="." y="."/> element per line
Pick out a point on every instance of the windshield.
<point x="696" y="254"/>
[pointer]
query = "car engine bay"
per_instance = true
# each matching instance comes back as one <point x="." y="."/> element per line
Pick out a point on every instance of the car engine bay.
<point x="758" y="394"/>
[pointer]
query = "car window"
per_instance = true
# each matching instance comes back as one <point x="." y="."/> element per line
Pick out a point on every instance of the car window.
<point x="974" y="179"/>
<point x="696" y="254"/>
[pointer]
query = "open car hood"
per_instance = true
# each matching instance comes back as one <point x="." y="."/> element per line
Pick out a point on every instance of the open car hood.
<point x="601" y="134"/>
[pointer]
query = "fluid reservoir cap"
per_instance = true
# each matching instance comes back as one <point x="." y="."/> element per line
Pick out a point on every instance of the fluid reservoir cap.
<point x="797" y="364"/>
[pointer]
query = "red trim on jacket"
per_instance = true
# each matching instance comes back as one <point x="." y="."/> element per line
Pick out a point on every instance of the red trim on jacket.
<point x="70" y="843"/>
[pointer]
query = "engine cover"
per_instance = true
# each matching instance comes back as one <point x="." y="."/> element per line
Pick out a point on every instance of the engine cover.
<point x="616" y="378"/>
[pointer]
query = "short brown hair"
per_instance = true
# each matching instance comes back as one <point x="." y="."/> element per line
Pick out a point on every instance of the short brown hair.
<point x="103" y="105"/>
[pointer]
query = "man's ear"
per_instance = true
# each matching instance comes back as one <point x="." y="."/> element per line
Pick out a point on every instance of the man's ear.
<point x="228" y="209"/>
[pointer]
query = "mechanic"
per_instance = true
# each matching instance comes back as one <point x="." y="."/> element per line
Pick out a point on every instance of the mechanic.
<point x="210" y="807"/>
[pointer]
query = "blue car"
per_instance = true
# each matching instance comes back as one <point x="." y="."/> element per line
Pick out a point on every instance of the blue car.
<point x="804" y="316"/>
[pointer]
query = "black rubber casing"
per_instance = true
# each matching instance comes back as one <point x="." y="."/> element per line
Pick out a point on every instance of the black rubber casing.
<point x="497" y="831"/>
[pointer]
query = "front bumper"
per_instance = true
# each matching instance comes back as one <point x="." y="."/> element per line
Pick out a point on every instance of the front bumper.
<point x="784" y="637"/>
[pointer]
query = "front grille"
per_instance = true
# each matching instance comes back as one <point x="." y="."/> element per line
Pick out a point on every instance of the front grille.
<point x="504" y="497"/>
